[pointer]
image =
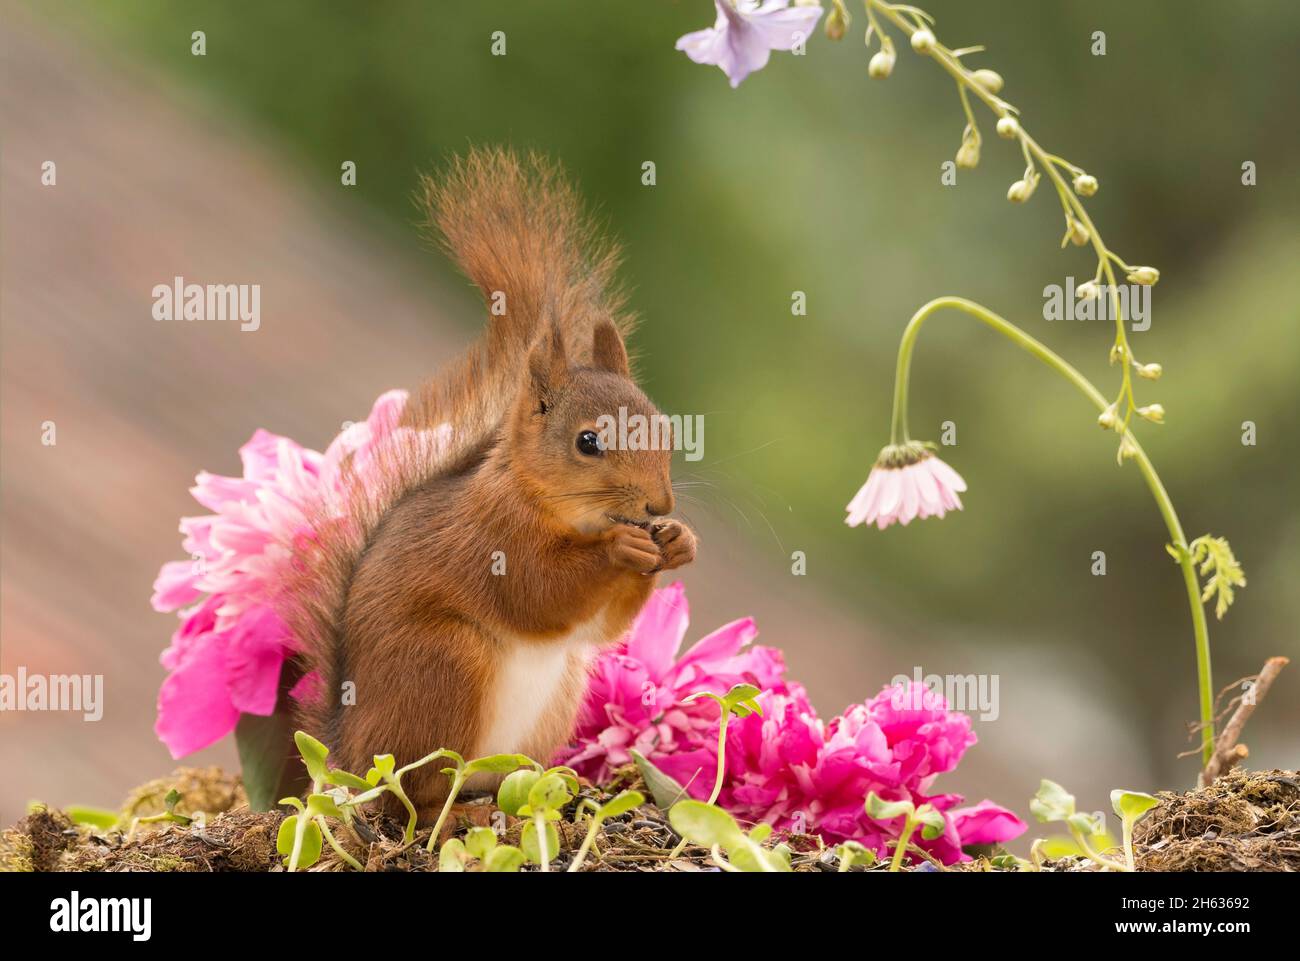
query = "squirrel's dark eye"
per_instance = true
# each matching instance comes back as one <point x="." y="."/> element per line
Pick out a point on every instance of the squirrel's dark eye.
<point x="589" y="443"/>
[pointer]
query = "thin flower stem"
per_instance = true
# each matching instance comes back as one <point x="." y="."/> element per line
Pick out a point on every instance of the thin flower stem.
<point x="898" y="434"/>
<point x="904" y="18"/>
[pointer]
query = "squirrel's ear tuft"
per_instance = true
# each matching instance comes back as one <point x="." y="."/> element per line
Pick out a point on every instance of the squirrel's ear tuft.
<point x="607" y="350"/>
<point x="548" y="367"/>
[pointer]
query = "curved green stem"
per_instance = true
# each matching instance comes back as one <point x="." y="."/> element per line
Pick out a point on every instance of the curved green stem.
<point x="898" y="434"/>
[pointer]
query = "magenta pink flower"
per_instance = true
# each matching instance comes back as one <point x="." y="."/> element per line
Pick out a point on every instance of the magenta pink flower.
<point x="786" y="766"/>
<point x="225" y="658"/>
<point x="746" y="32"/>
<point x="908" y="481"/>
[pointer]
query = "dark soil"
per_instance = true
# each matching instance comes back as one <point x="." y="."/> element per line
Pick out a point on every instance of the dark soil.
<point x="1246" y="821"/>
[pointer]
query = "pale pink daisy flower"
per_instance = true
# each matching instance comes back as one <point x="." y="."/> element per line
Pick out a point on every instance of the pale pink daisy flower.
<point x="746" y="32"/>
<point x="908" y="482"/>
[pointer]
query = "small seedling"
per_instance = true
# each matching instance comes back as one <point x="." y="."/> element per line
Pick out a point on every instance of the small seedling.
<point x="930" y="820"/>
<point x="1055" y="803"/>
<point x="620" y="804"/>
<point x="740" y="701"/>
<point x="462" y="772"/>
<point x="851" y="853"/>
<point x="715" y="829"/>
<point x="513" y="793"/>
<point x="1131" y="807"/>
<point x="96" y="818"/>
<point x="480" y="844"/>
<point x="170" y="801"/>
<point x="546" y="799"/>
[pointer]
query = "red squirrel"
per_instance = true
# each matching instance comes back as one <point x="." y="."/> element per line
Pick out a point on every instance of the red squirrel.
<point x="464" y="597"/>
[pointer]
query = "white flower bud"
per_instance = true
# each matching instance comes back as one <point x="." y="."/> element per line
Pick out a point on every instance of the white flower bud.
<point x="837" y="23"/>
<point x="1018" y="192"/>
<point x="923" y="41"/>
<point x="967" y="155"/>
<point x="1127" y="449"/>
<point x="1078" y="233"/>
<point x="1146" y="276"/>
<point x="1085" y="185"/>
<point x="1152" y="412"/>
<point x="990" y="80"/>
<point x="1087" y="290"/>
<point x="1106" y="420"/>
<point x="881" y="64"/>
<point x="1008" y="127"/>
<point x="1150" y="371"/>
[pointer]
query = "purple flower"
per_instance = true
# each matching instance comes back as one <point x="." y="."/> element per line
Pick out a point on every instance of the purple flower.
<point x="746" y="32"/>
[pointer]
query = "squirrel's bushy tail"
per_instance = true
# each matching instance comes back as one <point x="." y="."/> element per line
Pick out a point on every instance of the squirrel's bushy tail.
<point x="518" y="230"/>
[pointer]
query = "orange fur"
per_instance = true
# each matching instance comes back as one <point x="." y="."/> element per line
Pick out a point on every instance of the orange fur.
<point x="401" y="597"/>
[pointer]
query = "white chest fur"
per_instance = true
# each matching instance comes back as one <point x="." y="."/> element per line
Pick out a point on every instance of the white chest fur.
<point x="530" y="680"/>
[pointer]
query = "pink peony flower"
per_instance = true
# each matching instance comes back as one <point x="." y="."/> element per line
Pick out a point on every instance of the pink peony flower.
<point x="225" y="658"/>
<point x="908" y="481"/>
<point x="746" y="32"/>
<point x="786" y="766"/>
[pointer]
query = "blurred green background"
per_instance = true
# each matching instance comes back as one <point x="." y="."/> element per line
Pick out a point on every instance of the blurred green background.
<point x="812" y="177"/>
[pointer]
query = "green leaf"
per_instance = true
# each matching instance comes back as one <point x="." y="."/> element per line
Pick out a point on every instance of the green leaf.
<point x="621" y="803"/>
<point x="1131" y="805"/>
<point x="851" y="852"/>
<point x="92" y="817"/>
<point x="513" y="793"/>
<point x="264" y="757"/>
<point x="384" y="764"/>
<point x="323" y="804"/>
<point x="293" y="802"/>
<point x="528" y="842"/>
<point x="1086" y="824"/>
<point x="705" y="824"/>
<point x="741" y="696"/>
<point x="172" y="799"/>
<point x="344" y="779"/>
<point x="1052" y="802"/>
<point x="550" y="793"/>
<point x="567" y="774"/>
<point x="879" y="809"/>
<point x="932" y="822"/>
<point x="663" y="788"/>
<point x="479" y="842"/>
<point x="1217" y="561"/>
<point x="760" y="832"/>
<point x="498" y="763"/>
<point x="311" y="841"/>
<point x="451" y="857"/>
<point x="313" y="755"/>
<point x="504" y="858"/>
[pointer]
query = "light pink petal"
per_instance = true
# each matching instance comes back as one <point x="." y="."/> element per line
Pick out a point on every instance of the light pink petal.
<point x="174" y="586"/>
<point x="911" y="494"/>
<point x="946" y="476"/>
<point x="891" y="496"/>
<point x="928" y="489"/>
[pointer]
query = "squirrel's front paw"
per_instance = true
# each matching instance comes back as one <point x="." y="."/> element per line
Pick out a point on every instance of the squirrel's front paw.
<point x="676" y="544"/>
<point x="633" y="548"/>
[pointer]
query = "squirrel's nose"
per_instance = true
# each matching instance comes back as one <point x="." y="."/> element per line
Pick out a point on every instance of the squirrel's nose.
<point x="659" y="510"/>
